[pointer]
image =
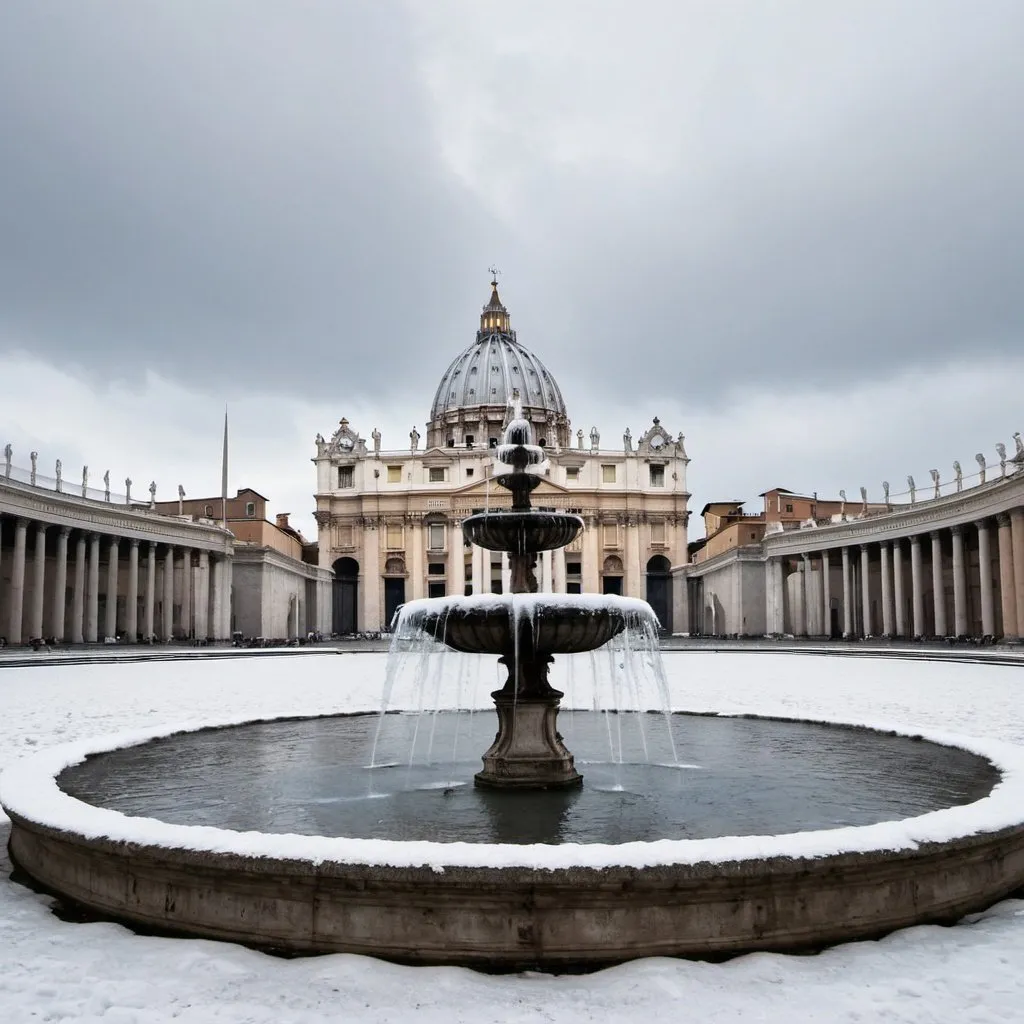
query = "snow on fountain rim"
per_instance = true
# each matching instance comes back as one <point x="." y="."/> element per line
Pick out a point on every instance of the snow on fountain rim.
<point x="528" y="604"/>
<point x="29" y="790"/>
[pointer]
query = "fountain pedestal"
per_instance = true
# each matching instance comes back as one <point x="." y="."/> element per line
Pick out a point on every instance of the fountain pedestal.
<point x="528" y="752"/>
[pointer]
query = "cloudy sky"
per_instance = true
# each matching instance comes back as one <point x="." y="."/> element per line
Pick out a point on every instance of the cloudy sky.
<point x="791" y="230"/>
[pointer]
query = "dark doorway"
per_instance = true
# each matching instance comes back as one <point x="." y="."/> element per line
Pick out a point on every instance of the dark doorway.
<point x="611" y="585"/>
<point x="394" y="595"/>
<point x="659" y="590"/>
<point x="344" y="612"/>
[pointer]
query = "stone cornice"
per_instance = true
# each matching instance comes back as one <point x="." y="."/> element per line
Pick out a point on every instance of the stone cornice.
<point x="746" y="553"/>
<point x="965" y="508"/>
<point x="252" y="555"/>
<point x="57" y="509"/>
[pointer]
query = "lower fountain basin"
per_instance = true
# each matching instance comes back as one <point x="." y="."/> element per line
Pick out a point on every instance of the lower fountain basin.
<point x="558" y="903"/>
<point x="546" y="623"/>
<point x="522" y="533"/>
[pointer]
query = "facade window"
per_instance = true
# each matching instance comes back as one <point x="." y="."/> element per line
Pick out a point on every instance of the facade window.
<point x="394" y="474"/>
<point x="572" y="474"/>
<point x="611" y="535"/>
<point x="469" y="440"/>
<point x="250" y="510"/>
<point x="394" y="536"/>
<point x="608" y="474"/>
<point x="543" y="442"/>
<point x="435" y="537"/>
<point x="436" y="589"/>
<point x="346" y="476"/>
<point x="451" y="442"/>
<point x="789" y="508"/>
<point x="345" y="536"/>
<point x="437" y="474"/>
<point x="657" y="533"/>
<point x="657" y="476"/>
<point x="469" y="471"/>
<point x="208" y="511"/>
<point x="435" y="568"/>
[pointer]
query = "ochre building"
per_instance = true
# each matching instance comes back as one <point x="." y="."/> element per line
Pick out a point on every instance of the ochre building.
<point x="390" y="520"/>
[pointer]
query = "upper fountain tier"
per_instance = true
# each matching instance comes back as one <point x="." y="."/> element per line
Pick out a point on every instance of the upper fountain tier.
<point x="521" y="531"/>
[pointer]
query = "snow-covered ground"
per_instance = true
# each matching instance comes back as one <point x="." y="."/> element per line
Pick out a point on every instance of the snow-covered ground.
<point x="56" y="971"/>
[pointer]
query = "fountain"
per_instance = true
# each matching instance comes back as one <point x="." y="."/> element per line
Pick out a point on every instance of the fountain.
<point x="528" y="751"/>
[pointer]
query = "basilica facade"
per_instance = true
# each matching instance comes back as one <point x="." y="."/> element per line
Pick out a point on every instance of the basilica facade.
<point x="390" y="520"/>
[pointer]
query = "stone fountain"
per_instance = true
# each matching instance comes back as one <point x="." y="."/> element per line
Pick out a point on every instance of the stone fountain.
<point x="528" y="751"/>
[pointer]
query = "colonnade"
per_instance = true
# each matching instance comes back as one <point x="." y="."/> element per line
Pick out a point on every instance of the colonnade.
<point x="963" y="580"/>
<point x="149" y="588"/>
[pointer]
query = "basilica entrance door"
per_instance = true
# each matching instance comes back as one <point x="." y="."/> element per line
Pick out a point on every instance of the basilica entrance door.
<point x="344" y="617"/>
<point x="659" y="590"/>
<point x="394" y="595"/>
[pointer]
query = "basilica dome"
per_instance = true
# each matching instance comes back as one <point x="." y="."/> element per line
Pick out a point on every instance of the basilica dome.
<point x="473" y="398"/>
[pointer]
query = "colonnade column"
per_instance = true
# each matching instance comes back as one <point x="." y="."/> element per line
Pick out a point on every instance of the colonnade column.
<point x="959" y="583"/>
<point x="218" y="598"/>
<point x="917" y="586"/>
<point x="988" y="617"/>
<point x="801" y="626"/>
<point x="203" y="597"/>
<point x="186" y="592"/>
<point x="1017" y="532"/>
<point x="1007" y="584"/>
<point x="60" y="584"/>
<point x="78" y="596"/>
<point x="938" y="590"/>
<point x="847" y="596"/>
<point x="110" y="625"/>
<point x="229" y="569"/>
<point x="35" y="622"/>
<point x="897" y="588"/>
<point x="131" y="625"/>
<point x="16" y="593"/>
<point x="150" y="591"/>
<point x="826" y="595"/>
<point x="167" y="619"/>
<point x="92" y="598"/>
<point x="865" y="587"/>
<point x="886" y="589"/>
<point x="457" y="559"/>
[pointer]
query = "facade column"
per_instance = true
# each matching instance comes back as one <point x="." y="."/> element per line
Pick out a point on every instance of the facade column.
<point x="457" y="559"/>
<point x="1007" y="586"/>
<point x="865" y="587"/>
<point x="826" y="595"/>
<point x="847" y="596"/>
<point x="886" y="589"/>
<point x="131" y="608"/>
<point x="150" y="610"/>
<point x="35" y="622"/>
<point x="897" y="580"/>
<point x="478" y="569"/>
<point x="634" y="575"/>
<point x="417" y="570"/>
<point x="78" y="596"/>
<point x="506" y="573"/>
<point x="92" y="597"/>
<point x="592" y="557"/>
<point x="938" y="589"/>
<point x="959" y="583"/>
<point x="545" y="572"/>
<point x="988" y="615"/>
<point x="917" y="586"/>
<point x="558" y="571"/>
<point x="16" y="594"/>
<point x="113" y="564"/>
<point x="58" y="609"/>
<point x="167" y="618"/>
<point x="203" y="597"/>
<point x="1017" y="532"/>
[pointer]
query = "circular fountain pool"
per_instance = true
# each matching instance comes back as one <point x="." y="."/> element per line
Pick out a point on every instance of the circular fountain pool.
<point x="812" y="834"/>
<point x="735" y="777"/>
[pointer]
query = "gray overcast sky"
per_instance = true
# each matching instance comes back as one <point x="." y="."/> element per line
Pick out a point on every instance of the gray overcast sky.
<point x="793" y="230"/>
